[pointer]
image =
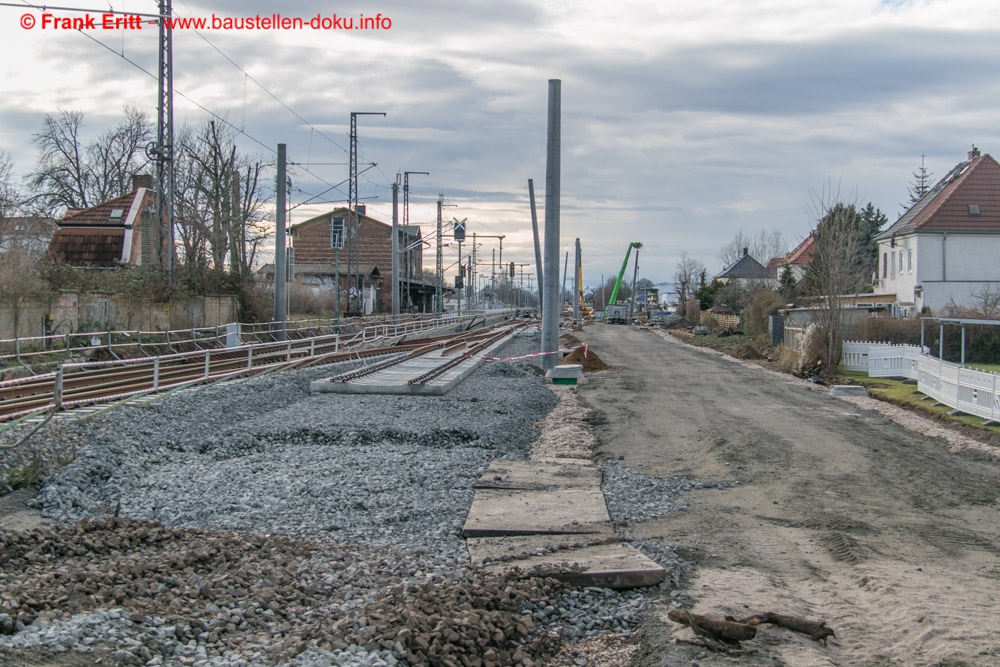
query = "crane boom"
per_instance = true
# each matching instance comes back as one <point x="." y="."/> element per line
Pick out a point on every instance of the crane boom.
<point x="621" y="274"/>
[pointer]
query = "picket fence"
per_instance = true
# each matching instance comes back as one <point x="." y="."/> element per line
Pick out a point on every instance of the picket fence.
<point x="965" y="389"/>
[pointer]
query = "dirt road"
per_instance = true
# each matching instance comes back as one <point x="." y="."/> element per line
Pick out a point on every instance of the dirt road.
<point x="833" y="514"/>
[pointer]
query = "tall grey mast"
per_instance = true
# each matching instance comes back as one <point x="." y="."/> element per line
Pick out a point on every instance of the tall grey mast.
<point x="550" y="310"/>
<point x="354" y="279"/>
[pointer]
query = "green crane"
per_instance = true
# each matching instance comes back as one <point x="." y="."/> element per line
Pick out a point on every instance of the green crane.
<point x="618" y="283"/>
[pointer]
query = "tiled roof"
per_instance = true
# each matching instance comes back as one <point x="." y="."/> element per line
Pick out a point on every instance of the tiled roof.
<point x="746" y="267"/>
<point x="949" y="205"/>
<point x="803" y="252"/>
<point x="101" y="214"/>
<point x="88" y="246"/>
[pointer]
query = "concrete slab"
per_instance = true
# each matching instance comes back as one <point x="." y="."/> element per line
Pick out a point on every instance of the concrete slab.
<point x="528" y="497"/>
<point x="504" y="474"/>
<point x="848" y="390"/>
<point x="615" y="565"/>
<point x="551" y="517"/>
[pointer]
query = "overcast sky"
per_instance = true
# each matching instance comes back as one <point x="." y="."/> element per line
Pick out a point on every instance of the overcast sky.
<point x="683" y="122"/>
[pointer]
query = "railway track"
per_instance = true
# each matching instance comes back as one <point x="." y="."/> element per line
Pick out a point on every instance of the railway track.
<point x="87" y="384"/>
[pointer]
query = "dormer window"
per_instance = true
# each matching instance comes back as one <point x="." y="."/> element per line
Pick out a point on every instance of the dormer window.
<point x="973" y="209"/>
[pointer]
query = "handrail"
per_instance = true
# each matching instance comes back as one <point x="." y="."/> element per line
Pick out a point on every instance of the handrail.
<point x="128" y="344"/>
<point x="73" y="383"/>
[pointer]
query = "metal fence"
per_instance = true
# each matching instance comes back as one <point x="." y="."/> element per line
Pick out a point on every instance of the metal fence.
<point x="48" y="351"/>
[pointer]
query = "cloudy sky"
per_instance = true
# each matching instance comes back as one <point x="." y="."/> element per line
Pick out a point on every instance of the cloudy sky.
<point x="683" y="122"/>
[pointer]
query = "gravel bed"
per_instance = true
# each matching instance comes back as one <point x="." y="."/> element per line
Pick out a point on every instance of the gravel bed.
<point x="250" y="523"/>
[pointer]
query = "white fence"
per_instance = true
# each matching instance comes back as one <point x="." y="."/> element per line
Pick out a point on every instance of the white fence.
<point x="971" y="391"/>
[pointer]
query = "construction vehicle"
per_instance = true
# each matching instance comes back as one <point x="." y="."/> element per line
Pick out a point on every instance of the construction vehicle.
<point x="618" y="313"/>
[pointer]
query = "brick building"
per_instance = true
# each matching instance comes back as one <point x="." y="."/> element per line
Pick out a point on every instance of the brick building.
<point x="111" y="234"/>
<point x="365" y="269"/>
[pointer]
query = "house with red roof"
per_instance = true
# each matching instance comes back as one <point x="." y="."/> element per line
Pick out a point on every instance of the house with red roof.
<point x="109" y="234"/>
<point x="798" y="259"/>
<point x="945" y="250"/>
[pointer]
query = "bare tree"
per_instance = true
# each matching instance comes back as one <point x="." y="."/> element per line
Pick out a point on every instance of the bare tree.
<point x="988" y="301"/>
<point x="686" y="277"/>
<point x="119" y="154"/>
<point x="10" y="194"/>
<point x="841" y="266"/>
<point x="763" y="247"/>
<point x="71" y="175"/>
<point x="221" y="202"/>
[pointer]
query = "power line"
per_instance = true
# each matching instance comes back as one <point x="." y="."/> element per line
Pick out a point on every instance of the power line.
<point x="262" y="87"/>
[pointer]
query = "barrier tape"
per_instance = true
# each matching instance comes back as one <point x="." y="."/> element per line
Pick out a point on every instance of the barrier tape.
<point x="526" y="356"/>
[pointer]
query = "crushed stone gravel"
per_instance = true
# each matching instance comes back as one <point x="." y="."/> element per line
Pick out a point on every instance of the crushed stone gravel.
<point x="251" y="523"/>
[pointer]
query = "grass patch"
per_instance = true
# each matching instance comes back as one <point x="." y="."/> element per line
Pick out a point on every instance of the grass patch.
<point x="907" y="396"/>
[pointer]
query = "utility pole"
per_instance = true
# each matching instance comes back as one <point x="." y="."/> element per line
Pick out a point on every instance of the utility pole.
<point x="280" y="267"/>
<point x="635" y="272"/>
<point x="352" y="196"/>
<point x="163" y="150"/>
<point x="407" y="267"/>
<point x="565" y="269"/>
<point x="550" y="314"/>
<point x="577" y="287"/>
<point x="395" y="251"/>
<point x="538" y="247"/>
<point x="439" y="267"/>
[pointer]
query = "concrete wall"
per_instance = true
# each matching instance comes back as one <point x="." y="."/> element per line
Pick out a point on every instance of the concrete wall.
<point x="25" y="317"/>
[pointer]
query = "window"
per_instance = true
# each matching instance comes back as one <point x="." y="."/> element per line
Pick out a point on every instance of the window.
<point x="900" y="262"/>
<point x="973" y="209"/>
<point x="892" y="258"/>
<point x="909" y="260"/>
<point x="885" y="265"/>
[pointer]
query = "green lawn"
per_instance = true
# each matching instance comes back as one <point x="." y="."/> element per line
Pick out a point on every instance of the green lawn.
<point x="906" y="395"/>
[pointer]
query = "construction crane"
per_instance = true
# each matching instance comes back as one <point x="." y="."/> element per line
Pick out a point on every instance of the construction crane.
<point x="614" y="314"/>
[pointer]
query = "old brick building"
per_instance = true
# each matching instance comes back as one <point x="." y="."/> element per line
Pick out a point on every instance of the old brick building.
<point x="365" y="269"/>
<point x="113" y="233"/>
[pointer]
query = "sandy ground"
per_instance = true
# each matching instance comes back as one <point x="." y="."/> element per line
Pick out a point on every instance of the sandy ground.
<point x="836" y="512"/>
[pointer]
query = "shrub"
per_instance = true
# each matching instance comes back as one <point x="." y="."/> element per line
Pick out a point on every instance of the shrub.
<point x="764" y="304"/>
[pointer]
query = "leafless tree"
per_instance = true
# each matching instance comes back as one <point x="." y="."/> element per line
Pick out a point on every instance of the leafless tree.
<point x="119" y="154"/>
<point x="840" y="267"/>
<point x="221" y="201"/>
<point x="988" y="301"/>
<point x="686" y="279"/>
<point x="10" y="195"/>
<point x="71" y="175"/>
<point x="763" y="247"/>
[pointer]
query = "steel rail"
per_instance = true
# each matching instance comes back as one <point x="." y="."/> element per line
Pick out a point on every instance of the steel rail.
<point x="88" y="383"/>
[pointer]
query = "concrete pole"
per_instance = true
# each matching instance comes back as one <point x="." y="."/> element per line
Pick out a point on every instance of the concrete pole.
<point x="635" y="272"/>
<point x="538" y="245"/>
<point x="280" y="265"/>
<point x="395" y="252"/>
<point x="336" y="287"/>
<point x="550" y="313"/>
<point x="576" y="282"/>
<point x="439" y="269"/>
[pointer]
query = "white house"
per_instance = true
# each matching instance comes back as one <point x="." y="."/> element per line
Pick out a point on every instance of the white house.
<point x="945" y="249"/>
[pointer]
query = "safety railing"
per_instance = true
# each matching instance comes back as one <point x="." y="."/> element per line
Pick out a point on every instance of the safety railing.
<point x="48" y="351"/>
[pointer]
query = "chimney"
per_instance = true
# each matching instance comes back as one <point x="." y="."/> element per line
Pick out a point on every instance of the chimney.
<point x="974" y="153"/>
<point x="746" y="251"/>
<point x="142" y="181"/>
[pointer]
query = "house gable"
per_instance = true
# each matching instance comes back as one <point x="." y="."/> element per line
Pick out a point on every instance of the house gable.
<point x="942" y="251"/>
<point x="105" y="235"/>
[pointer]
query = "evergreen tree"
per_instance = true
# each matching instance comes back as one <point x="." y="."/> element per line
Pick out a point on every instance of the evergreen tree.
<point x="920" y="185"/>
